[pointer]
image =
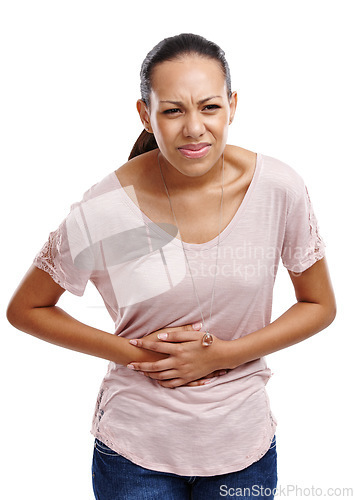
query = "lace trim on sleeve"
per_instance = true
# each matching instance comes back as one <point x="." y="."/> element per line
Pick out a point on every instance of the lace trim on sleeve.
<point x="47" y="260"/>
<point x="316" y="243"/>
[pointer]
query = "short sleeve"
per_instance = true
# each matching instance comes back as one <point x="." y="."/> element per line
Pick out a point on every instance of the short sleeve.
<point x="57" y="256"/>
<point x="302" y="245"/>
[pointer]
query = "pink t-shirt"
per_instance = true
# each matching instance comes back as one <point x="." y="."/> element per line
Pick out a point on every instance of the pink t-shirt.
<point x="140" y="271"/>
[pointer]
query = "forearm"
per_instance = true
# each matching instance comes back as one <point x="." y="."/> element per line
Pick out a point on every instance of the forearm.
<point x="315" y="310"/>
<point x="54" y="325"/>
<point x="298" y="323"/>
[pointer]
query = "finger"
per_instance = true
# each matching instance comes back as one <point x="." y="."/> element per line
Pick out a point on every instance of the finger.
<point x="178" y="382"/>
<point x="171" y="384"/>
<point x="190" y="327"/>
<point x="162" y="375"/>
<point x="217" y="373"/>
<point x="207" y="379"/>
<point x="181" y="336"/>
<point x="165" y="348"/>
<point x="197" y="383"/>
<point x="154" y="366"/>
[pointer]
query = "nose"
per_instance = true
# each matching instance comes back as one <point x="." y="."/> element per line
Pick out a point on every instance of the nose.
<point x="194" y="125"/>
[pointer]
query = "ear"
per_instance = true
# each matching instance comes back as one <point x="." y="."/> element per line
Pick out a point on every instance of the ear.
<point x="144" y="114"/>
<point x="233" y="104"/>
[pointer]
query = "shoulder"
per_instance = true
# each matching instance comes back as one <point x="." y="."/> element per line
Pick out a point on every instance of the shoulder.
<point x="110" y="192"/>
<point x="271" y="174"/>
<point x="126" y="175"/>
<point x="96" y="193"/>
<point x="279" y="177"/>
<point x="138" y="171"/>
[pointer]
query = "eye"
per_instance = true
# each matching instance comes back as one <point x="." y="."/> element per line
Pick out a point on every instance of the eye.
<point x="171" y="111"/>
<point x="211" y="107"/>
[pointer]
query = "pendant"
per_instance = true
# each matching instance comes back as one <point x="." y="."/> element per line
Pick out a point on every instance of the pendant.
<point x="207" y="339"/>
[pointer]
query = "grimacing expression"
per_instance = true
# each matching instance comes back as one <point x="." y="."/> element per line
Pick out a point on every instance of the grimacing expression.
<point x="189" y="112"/>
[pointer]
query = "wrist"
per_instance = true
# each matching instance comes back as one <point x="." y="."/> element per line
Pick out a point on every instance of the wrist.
<point x="225" y="355"/>
<point x="233" y="353"/>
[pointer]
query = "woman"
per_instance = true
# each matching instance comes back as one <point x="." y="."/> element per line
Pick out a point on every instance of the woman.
<point x="183" y="243"/>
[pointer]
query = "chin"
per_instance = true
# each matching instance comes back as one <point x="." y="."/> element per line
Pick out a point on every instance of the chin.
<point x="198" y="166"/>
<point x="192" y="167"/>
<point x="195" y="169"/>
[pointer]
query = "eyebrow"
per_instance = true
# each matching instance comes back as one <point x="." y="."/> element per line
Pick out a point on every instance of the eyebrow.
<point x="202" y="101"/>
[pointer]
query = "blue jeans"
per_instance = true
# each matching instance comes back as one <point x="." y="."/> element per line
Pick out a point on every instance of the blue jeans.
<point x="116" y="478"/>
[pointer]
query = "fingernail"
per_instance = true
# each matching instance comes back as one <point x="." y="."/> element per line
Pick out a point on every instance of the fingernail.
<point x="131" y="366"/>
<point x="134" y="342"/>
<point x="162" y="336"/>
<point x="197" y="326"/>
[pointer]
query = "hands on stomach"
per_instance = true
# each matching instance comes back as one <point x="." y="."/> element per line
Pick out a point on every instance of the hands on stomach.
<point x="185" y="362"/>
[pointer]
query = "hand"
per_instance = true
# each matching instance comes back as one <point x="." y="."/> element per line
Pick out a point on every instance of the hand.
<point x="156" y="356"/>
<point x="150" y="355"/>
<point x="203" y="380"/>
<point x="183" y="347"/>
<point x="140" y="355"/>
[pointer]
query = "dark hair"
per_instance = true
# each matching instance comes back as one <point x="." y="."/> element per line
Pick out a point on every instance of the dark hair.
<point x="167" y="50"/>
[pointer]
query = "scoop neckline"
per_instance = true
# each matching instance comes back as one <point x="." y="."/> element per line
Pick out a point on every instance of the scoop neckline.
<point x="194" y="246"/>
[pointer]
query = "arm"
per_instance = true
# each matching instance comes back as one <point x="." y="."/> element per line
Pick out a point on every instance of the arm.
<point x="314" y="310"/>
<point x="33" y="310"/>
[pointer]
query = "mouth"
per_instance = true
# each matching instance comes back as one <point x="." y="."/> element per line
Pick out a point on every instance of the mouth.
<point x="195" y="150"/>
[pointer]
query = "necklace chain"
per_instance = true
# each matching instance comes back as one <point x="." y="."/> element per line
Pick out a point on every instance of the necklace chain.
<point x="184" y="250"/>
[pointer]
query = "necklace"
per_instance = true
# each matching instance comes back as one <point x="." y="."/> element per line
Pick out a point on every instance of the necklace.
<point x="207" y="338"/>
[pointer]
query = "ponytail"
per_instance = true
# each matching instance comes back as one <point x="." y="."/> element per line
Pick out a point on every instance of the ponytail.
<point x="144" y="143"/>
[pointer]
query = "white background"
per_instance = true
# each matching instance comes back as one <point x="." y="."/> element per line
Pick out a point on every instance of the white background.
<point x="70" y="80"/>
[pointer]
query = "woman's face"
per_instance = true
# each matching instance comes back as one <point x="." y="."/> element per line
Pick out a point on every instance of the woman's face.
<point x="189" y="113"/>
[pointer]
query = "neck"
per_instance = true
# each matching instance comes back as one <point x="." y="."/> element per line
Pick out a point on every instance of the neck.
<point x="180" y="182"/>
